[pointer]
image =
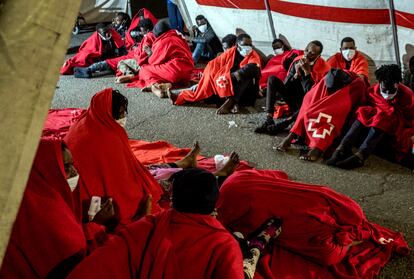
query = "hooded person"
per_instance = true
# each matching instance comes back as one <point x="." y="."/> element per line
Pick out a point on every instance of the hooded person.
<point x="103" y="44"/>
<point x="100" y="148"/>
<point x="349" y="58"/>
<point x="121" y="23"/>
<point x="182" y="242"/>
<point x="143" y="13"/>
<point x="231" y="77"/>
<point x="388" y="115"/>
<point x="169" y="62"/>
<point x="320" y="119"/>
<point x="305" y="71"/>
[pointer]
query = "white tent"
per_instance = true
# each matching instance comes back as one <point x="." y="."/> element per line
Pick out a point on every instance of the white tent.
<point x="102" y="10"/>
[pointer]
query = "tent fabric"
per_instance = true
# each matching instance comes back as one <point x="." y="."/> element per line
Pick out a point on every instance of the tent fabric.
<point x="318" y="225"/>
<point x="94" y="11"/>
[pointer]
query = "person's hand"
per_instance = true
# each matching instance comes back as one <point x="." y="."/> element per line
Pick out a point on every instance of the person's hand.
<point x="236" y="75"/>
<point x="147" y="50"/>
<point x="298" y="74"/>
<point x="305" y="66"/>
<point x="194" y="28"/>
<point x="106" y="214"/>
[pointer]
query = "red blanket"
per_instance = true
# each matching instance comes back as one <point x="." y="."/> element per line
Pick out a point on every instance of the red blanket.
<point x="108" y="167"/>
<point x="89" y="52"/>
<point x="320" y="119"/>
<point x="46" y="231"/>
<point x="59" y="121"/>
<point x="171" y="61"/>
<point x="359" y="64"/>
<point x="168" y="245"/>
<point x="275" y="67"/>
<point x="318" y="225"/>
<point x="129" y="41"/>
<point x="216" y="78"/>
<point x="394" y="117"/>
<point x="136" y="53"/>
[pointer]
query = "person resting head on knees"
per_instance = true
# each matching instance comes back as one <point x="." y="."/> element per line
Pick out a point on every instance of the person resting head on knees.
<point x="305" y="71"/>
<point x="228" y="41"/>
<point x="387" y="116"/>
<point x="349" y="58"/>
<point x="121" y="23"/>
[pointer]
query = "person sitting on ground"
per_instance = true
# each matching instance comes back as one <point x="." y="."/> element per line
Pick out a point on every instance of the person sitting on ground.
<point x="231" y="76"/>
<point x="320" y="120"/>
<point x="103" y="44"/>
<point x="349" y="58"/>
<point x="169" y="64"/>
<point x="279" y="63"/>
<point x="101" y="150"/>
<point x="121" y="23"/>
<point x="131" y="42"/>
<point x="127" y="64"/>
<point x="335" y="239"/>
<point x="408" y="79"/>
<point x="305" y="71"/>
<point x="389" y="112"/>
<point x="228" y="41"/>
<point x="206" y="43"/>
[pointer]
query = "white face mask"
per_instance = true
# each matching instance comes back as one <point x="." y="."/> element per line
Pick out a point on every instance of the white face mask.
<point x="73" y="182"/>
<point x="122" y="122"/>
<point x="203" y="28"/>
<point x="278" y="51"/>
<point x="387" y="96"/>
<point x="245" y="50"/>
<point x="348" y="54"/>
<point x="105" y="38"/>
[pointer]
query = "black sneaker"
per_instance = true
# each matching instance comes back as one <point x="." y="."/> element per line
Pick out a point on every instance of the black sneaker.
<point x="279" y="126"/>
<point x="339" y="155"/>
<point x="79" y="72"/>
<point x="350" y="163"/>
<point x="263" y="129"/>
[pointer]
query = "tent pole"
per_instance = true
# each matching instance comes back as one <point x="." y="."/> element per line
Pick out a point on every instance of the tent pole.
<point x="394" y="32"/>
<point x="269" y="15"/>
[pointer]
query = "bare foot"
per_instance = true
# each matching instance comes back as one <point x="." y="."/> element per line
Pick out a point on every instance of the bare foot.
<point x="190" y="160"/>
<point x="173" y="97"/>
<point x="148" y="205"/>
<point x="235" y="109"/>
<point x="230" y="166"/>
<point x="227" y="106"/>
<point x="312" y="156"/>
<point x="147" y="88"/>
<point x="285" y="144"/>
<point x="157" y="90"/>
<point x="124" y="79"/>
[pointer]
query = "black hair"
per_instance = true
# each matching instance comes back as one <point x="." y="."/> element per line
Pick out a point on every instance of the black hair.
<point x="242" y="36"/>
<point x="389" y="73"/>
<point x="318" y="44"/>
<point x="284" y="45"/>
<point x="101" y="26"/>
<point x="118" y="101"/>
<point x="230" y="39"/>
<point x="146" y="23"/>
<point x="125" y="17"/>
<point x="347" y="40"/>
<point x="161" y="27"/>
<point x="200" y="17"/>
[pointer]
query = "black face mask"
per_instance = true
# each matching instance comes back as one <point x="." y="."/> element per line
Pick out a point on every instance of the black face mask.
<point x="160" y="28"/>
<point x="336" y="79"/>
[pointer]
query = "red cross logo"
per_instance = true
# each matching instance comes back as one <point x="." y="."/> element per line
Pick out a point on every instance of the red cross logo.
<point x="321" y="126"/>
<point x="222" y="81"/>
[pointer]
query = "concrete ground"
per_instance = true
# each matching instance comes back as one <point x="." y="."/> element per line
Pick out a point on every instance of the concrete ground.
<point x="384" y="190"/>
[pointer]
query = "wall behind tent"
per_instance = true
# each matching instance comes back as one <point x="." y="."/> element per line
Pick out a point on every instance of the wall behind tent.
<point x="157" y="7"/>
<point x="301" y="21"/>
<point x="95" y="11"/>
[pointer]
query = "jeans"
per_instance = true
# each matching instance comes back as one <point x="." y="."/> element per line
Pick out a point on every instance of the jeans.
<point x="176" y="20"/>
<point x="100" y="69"/>
<point x="201" y="50"/>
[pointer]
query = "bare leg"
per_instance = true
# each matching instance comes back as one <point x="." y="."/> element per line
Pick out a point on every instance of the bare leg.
<point x="124" y="79"/>
<point x="230" y="166"/>
<point x="313" y="155"/>
<point x="227" y="106"/>
<point x="286" y="142"/>
<point x="173" y="97"/>
<point x="148" y="205"/>
<point x="190" y="160"/>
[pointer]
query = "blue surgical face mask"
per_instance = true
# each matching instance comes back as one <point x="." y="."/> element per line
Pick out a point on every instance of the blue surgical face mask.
<point x="244" y="50"/>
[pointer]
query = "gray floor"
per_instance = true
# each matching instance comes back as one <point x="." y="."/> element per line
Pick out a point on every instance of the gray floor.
<point x="384" y="190"/>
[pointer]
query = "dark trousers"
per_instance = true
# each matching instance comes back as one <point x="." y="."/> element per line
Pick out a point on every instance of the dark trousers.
<point x="357" y="131"/>
<point x="246" y="90"/>
<point x="291" y="92"/>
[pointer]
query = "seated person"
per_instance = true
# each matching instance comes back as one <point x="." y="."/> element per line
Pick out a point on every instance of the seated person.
<point x="100" y="148"/>
<point x="389" y="112"/>
<point x="305" y="71"/>
<point x="320" y="120"/>
<point x="231" y="76"/>
<point x="408" y="78"/>
<point x="48" y="238"/>
<point x="121" y="23"/>
<point x="103" y="44"/>
<point x="132" y="60"/>
<point x="350" y="59"/>
<point x="206" y="43"/>
<point x="228" y="41"/>
<point x="130" y="42"/>
<point x="279" y="63"/>
<point x="169" y="63"/>
<point x="325" y="234"/>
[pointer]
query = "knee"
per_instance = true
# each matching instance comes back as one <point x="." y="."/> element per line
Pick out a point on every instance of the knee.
<point x="273" y="82"/>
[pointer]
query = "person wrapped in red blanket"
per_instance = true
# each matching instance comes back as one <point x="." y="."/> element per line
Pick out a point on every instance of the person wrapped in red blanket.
<point x="304" y="73"/>
<point x="231" y="76"/>
<point x="127" y="64"/>
<point x="100" y="148"/>
<point x="169" y="63"/>
<point x="48" y="238"/>
<point x="130" y="42"/>
<point x="325" y="234"/>
<point x="388" y="116"/>
<point x="103" y="44"/>
<point x="183" y="242"/>
<point x="320" y="120"/>
<point x="350" y="59"/>
<point x="279" y="64"/>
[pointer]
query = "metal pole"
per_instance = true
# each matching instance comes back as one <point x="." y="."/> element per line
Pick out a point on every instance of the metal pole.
<point x="394" y="32"/>
<point x="269" y="15"/>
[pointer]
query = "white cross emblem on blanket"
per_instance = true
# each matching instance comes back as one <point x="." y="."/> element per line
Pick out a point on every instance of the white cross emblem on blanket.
<point x="222" y="81"/>
<point x="321" y="126"/>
